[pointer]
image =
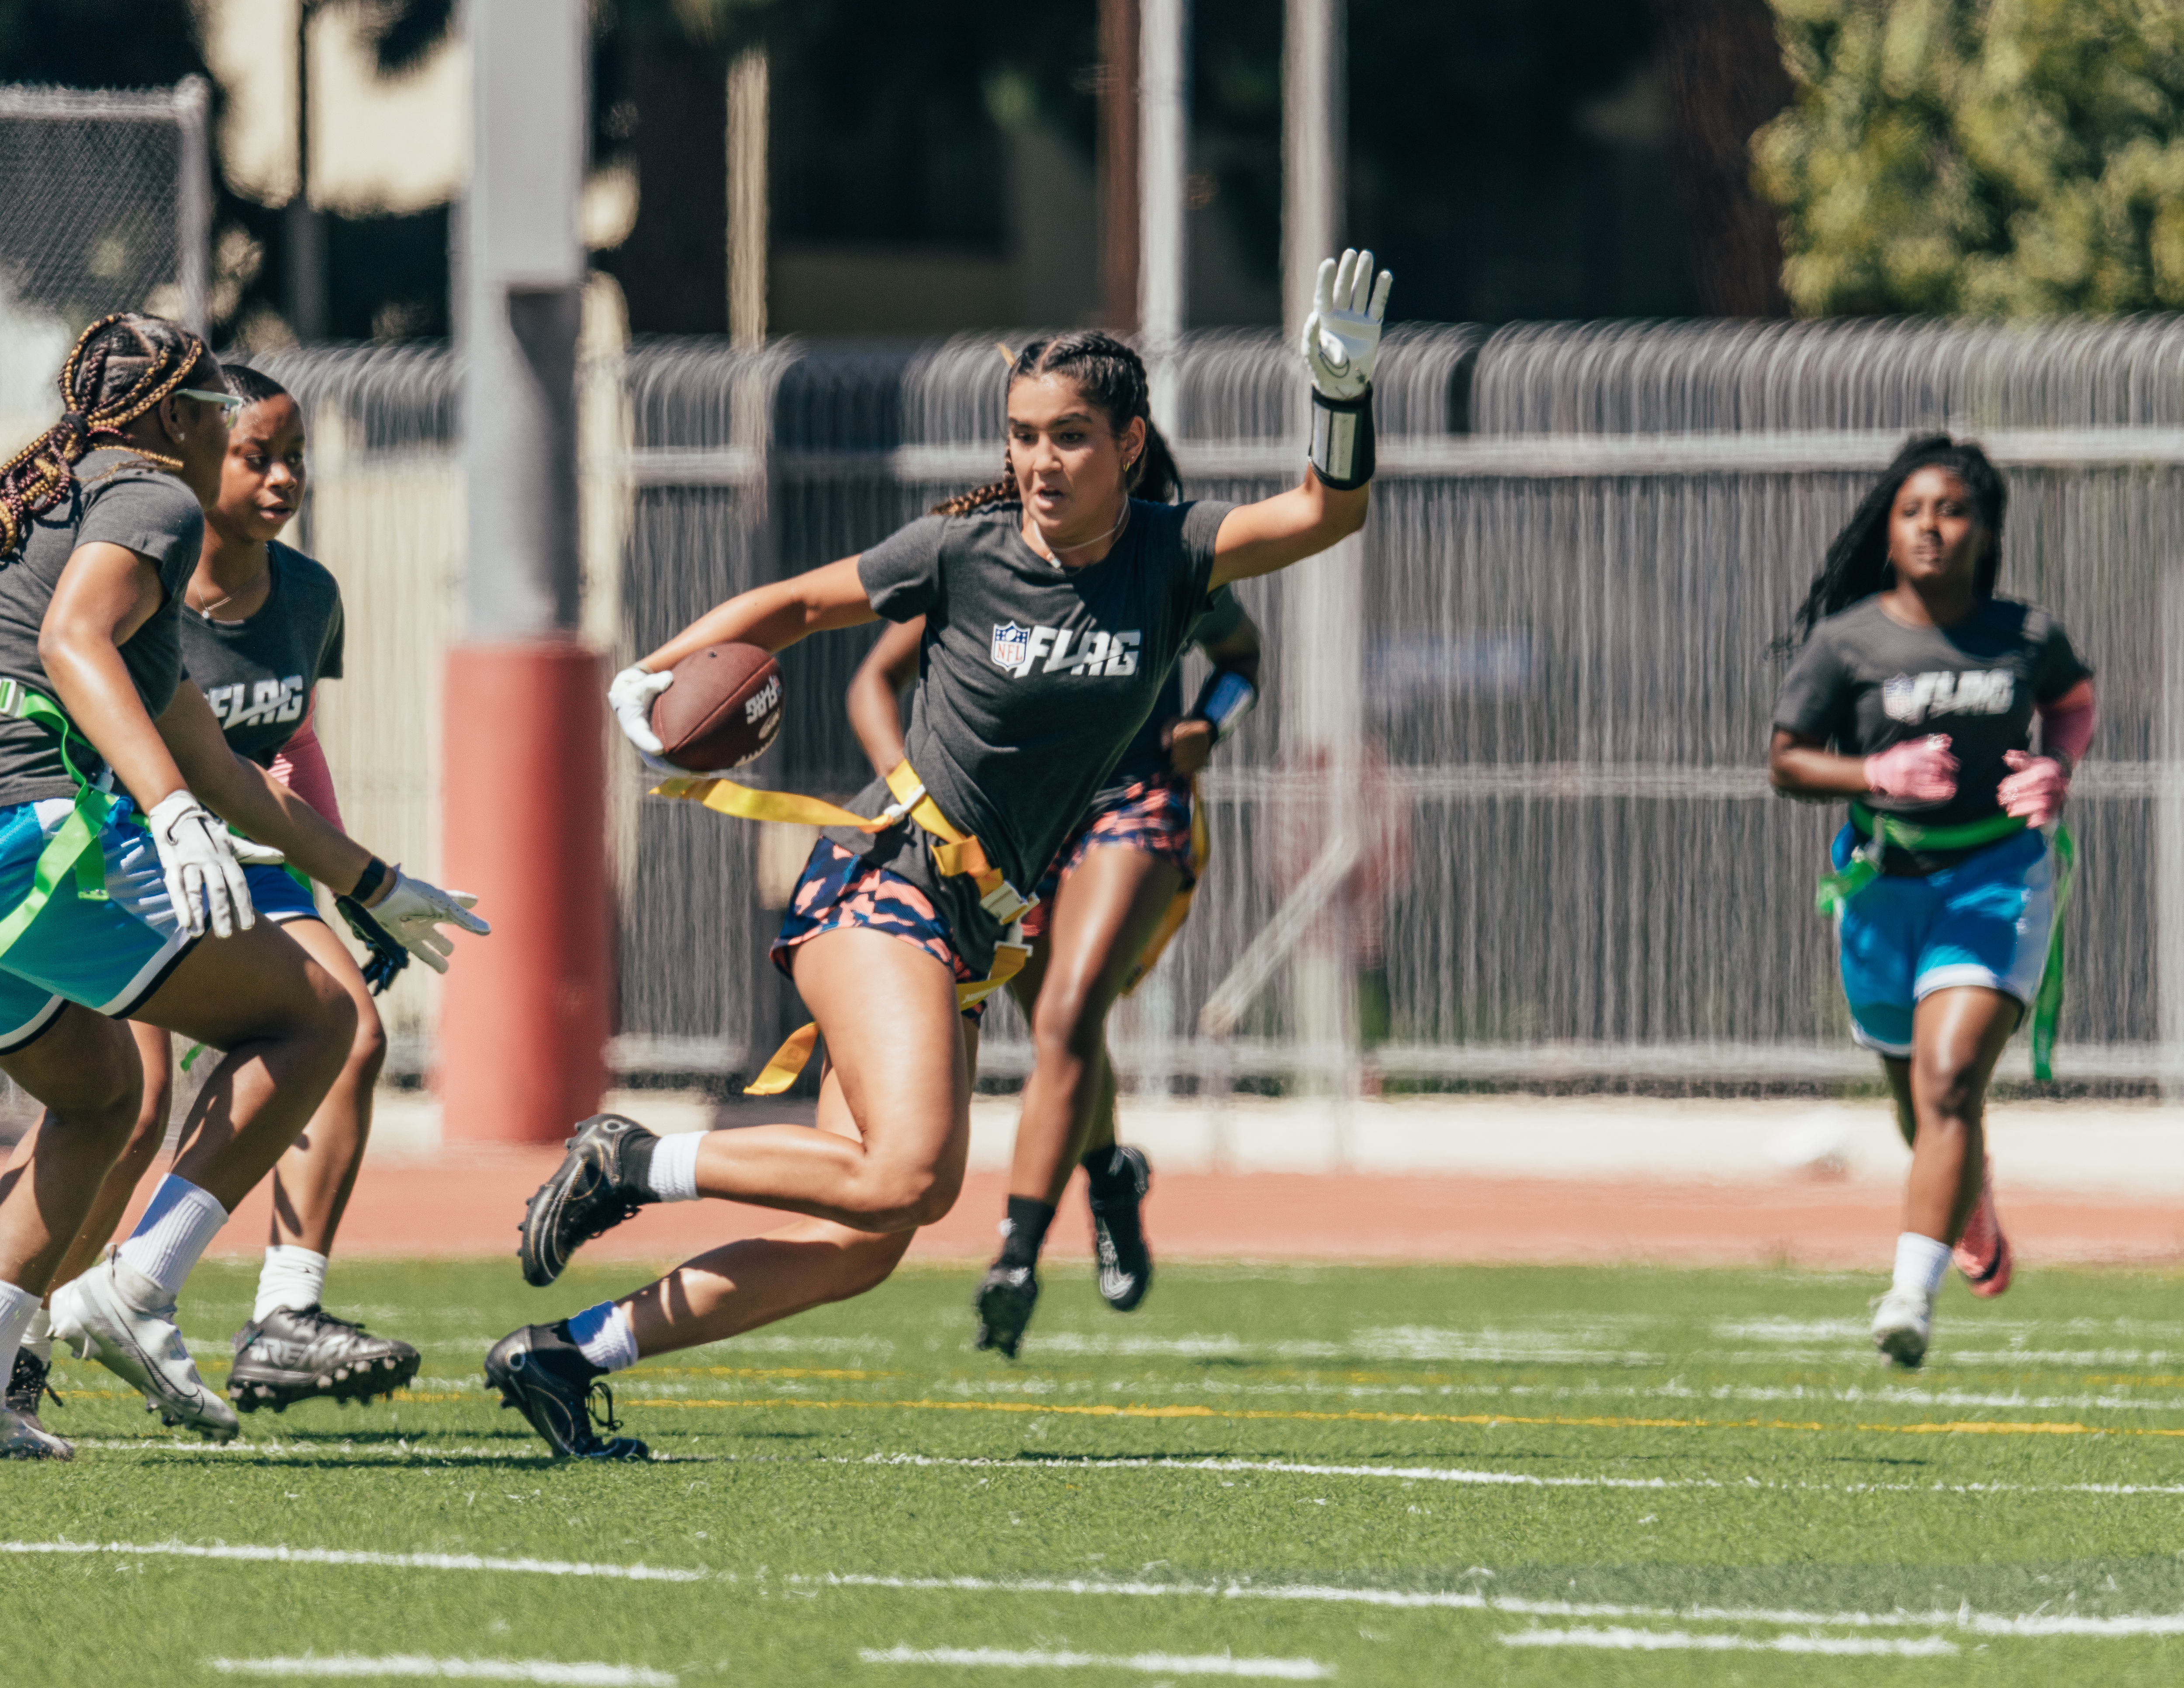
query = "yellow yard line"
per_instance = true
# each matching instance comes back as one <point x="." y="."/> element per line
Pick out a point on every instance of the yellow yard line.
<point x="2004" y="1427"/>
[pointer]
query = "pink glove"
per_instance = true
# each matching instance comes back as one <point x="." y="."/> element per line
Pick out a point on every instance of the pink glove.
<point x="1920" y="769"/>
<point x="2035" y="788"/>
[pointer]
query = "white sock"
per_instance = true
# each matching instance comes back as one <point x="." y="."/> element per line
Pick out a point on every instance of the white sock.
<point x="18" y="1307"/>
<point x="605" y="1334"/>
<point x="292" y="1277"/>
<point x="1920" y="1263"/>
<point x="674" y="1174"/>
<point x="38" y="1335"/>
<point x="177" y="1227"/>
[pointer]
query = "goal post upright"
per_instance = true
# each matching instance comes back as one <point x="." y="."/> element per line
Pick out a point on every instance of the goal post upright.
<point x="525" y="1018"/>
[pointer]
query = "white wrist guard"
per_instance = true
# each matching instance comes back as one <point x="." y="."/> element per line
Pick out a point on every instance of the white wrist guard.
<point x="1341" y="450"/>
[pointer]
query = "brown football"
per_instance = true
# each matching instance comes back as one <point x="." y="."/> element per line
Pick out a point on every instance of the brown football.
<point x="723" y="710"/>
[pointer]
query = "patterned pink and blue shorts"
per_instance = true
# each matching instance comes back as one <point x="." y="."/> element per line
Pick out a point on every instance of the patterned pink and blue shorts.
<point x="1153" y="816"/>
<point x="839" y="890"/>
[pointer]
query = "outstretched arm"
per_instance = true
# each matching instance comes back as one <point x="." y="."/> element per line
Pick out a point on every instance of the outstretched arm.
<point x="875" y="711"/>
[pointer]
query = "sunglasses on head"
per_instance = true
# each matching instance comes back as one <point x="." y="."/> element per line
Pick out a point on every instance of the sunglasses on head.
<point x="231" y="406"/>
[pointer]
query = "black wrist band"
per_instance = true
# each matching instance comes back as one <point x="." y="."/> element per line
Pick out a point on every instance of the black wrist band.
<point x="1341" y="449"/>
<point x="369" y="882"/>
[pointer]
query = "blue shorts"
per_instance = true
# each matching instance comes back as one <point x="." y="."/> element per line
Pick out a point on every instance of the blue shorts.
<point x="108" y="956"/>
<point x="1984" y="922"/>
<point x="279" y="896"/>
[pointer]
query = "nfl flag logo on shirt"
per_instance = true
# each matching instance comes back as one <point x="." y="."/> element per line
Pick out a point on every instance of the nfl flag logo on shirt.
<point x="1011" y="645"/>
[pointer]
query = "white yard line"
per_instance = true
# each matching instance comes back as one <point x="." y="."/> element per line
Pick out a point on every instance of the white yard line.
<point x="1469" y="1600"/>
<point x="1152" y="1665"/>
<point x="1682" y="1640"/>
<point x="330" y="1555"/>
<point x="1515" y="1479"/>
<point x="417" y="1666"/>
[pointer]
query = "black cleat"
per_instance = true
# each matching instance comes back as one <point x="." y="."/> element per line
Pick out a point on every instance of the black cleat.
<point x="545" y="1377"/>
<point x="30" y="1382"/>
<point x="291" y="1355"/>
<point x="590" y="1193"/>
<point x="1004" y="1303"/>
<point x="1125" y="1262"/>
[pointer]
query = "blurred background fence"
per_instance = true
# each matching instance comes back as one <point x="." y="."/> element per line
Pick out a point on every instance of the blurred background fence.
<point x="1502" y="816"/>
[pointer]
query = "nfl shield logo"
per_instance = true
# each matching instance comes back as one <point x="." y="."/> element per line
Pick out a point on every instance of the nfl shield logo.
<point x="1011" y="644"/>
<point x="1900" y="698"/>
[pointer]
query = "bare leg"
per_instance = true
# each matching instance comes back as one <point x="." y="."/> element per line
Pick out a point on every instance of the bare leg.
<point x="313" y="1180"/>
<point x="895" y="1127"/>
<point x="1959" y="1035"/>
<point x="155" y="1052"/>
<point x="286" y="1026"/>
<point x="84" y="1069"/>
<point x="1898" y="1074"/>
<point x="1103" y="914"/>
<point x="896" y="1054"/>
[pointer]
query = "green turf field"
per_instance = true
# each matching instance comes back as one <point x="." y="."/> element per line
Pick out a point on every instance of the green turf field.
<point x="1368" y="1475"/>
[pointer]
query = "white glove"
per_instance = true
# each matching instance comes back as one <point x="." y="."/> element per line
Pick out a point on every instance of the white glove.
<point x="1342" y="335"/>
<point x="629" y="695"/>
<point x="197" y="855"/>
<point x="251" y="853"/>
<point x="414" y="912"/>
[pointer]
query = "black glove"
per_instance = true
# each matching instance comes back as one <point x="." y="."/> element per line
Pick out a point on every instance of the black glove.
<point x="388" y="957"/>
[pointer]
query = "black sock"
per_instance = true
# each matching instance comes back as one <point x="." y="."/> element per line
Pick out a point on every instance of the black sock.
<point x="557" y="1351"/>
<point x="1109" y="1173"/>
<point x="1024" y="1232"/>
<point x="637" y="1166"/>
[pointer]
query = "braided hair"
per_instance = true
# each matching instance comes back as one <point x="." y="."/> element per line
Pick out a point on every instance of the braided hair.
<point x="1857" y="565"/>
<point x="1112" y="379"/>
<point x="121" y="368"/>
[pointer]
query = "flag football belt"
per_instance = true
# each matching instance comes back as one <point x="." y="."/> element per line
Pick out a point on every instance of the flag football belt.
<point x="1178" y="907"/>
<point x="1836" y="888"/>
<point x="75" y="853"/>
<point x="956" y="854"/>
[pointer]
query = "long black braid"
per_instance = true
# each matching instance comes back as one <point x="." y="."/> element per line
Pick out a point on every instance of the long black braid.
<point x="120" y="368"/>
<point x="1112" y="379"/>
<point x="1857" y="565"/>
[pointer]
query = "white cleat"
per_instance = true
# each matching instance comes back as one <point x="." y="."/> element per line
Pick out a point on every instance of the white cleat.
<point x="115" y="1315"/>
<point x="1901" y="1326"/>
<point x="22" y="1437"/>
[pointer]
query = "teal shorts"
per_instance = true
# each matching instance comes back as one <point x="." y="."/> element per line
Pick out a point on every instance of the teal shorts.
<point x="109" y="955"/>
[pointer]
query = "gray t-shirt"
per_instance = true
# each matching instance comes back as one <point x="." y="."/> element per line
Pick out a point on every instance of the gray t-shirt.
<point x="258" y="674"/>
<point x="1864" y="682"/>
<point x="1031" y="679"/>
<point x="1145" y="757"/>
<point x="119" y="499"/>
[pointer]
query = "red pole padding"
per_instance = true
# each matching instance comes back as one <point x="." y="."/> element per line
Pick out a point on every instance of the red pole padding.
<point x="524" y="1020"/>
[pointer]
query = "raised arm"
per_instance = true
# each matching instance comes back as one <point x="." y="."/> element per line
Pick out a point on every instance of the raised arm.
<point x="876" y="691"/>
<point x="1341" y="345"/>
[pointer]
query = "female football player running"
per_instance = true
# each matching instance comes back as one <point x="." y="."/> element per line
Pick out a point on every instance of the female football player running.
<point x="261" y="626"/>
<point x="1118" y="889"/>
<point x="1914" y="696"/>
<point x="105" y="895"/>
<point x="1051" y="620"/>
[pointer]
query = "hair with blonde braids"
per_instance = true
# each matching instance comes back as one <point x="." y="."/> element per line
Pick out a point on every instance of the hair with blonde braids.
<point x="120" y="368"/>
<point x="1112" y="379"/>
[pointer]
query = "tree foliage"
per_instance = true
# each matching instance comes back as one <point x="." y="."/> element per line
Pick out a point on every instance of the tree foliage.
<point x="1998" y="158"/>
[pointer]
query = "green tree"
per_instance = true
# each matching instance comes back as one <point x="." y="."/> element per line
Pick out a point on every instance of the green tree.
<point x="1998" y="158"/>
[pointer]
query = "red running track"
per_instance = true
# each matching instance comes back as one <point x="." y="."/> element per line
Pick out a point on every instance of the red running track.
<point x="466" y="1202"/>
